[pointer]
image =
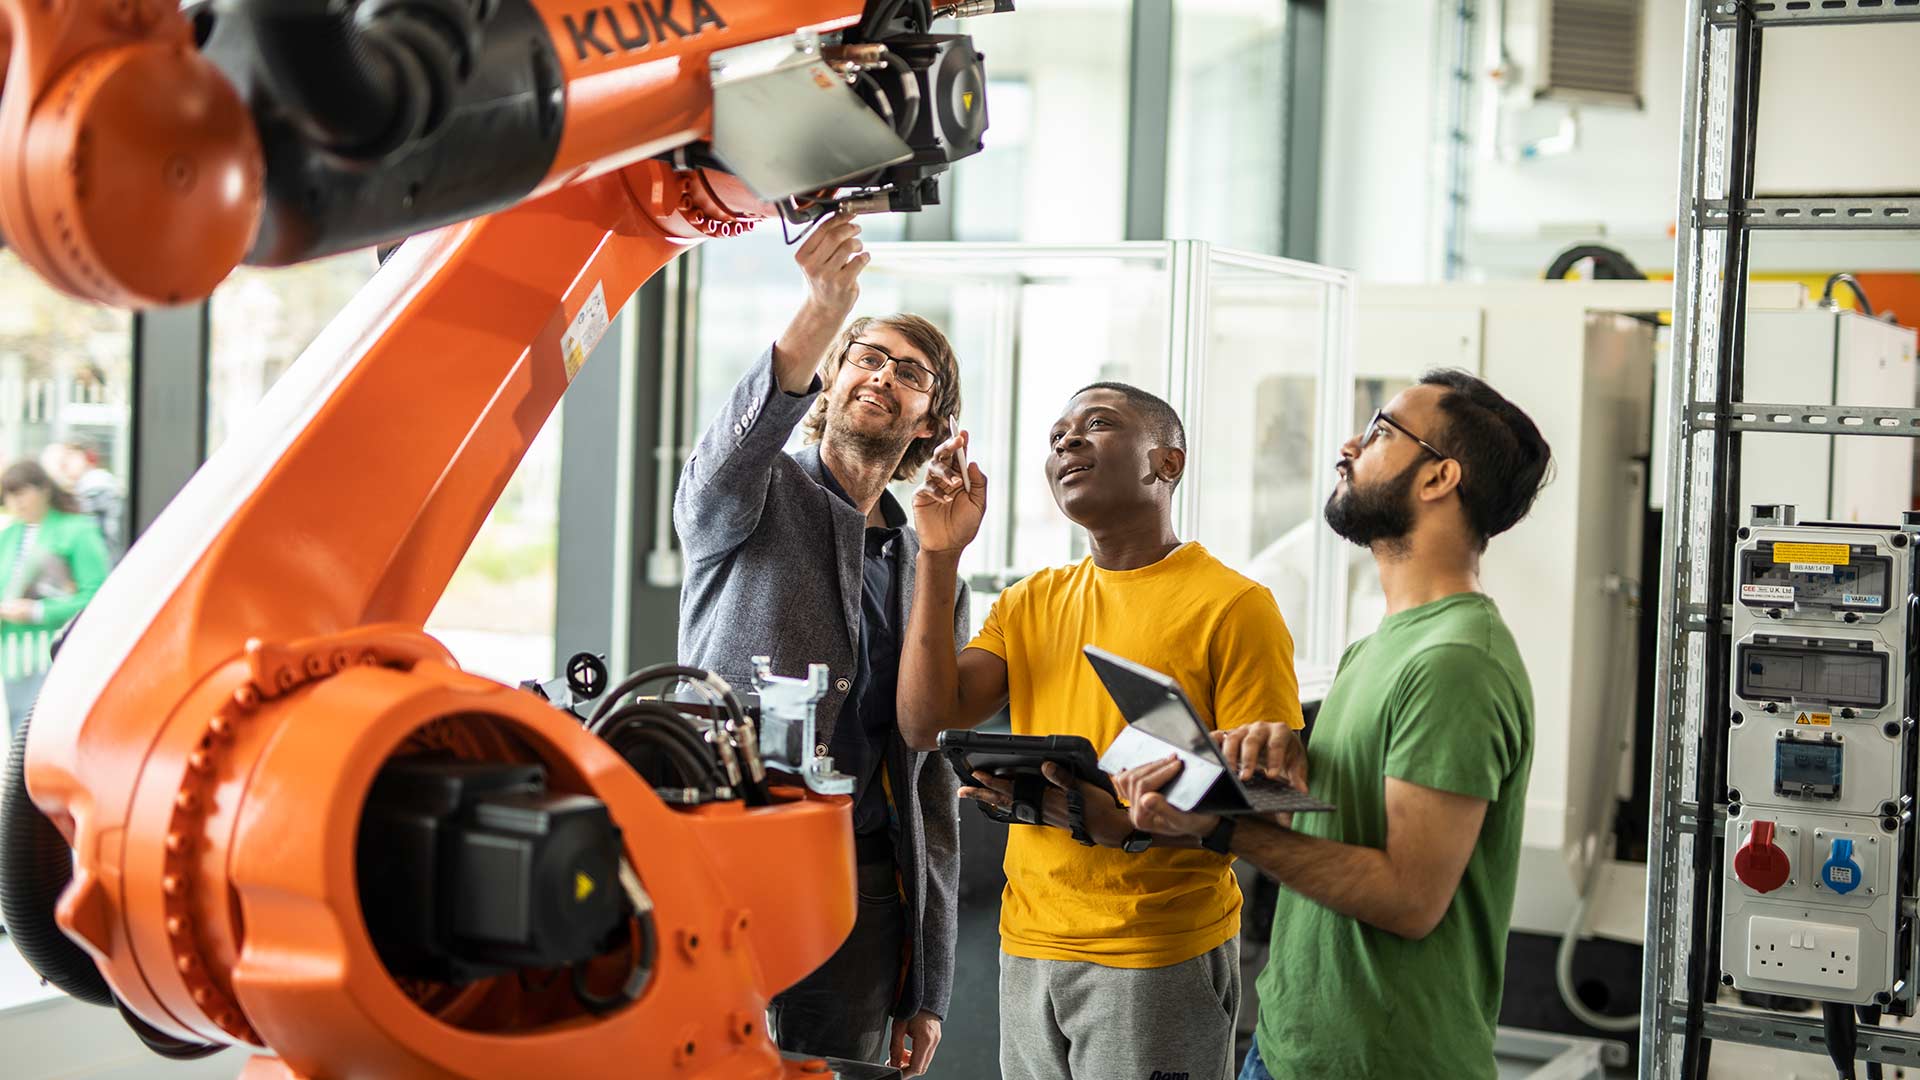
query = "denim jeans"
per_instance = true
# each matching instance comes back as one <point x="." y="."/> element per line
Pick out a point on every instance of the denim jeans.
<point x="845" y="1008"/>
<point x="1254" y="1068"/>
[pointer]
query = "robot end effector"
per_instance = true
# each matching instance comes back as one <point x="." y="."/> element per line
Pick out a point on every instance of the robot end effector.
<point x="271" y="134"/>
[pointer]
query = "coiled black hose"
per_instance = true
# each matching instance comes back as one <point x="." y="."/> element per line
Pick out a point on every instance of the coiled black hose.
<point x="35" y="868"/>
<point x="643" y="726"/>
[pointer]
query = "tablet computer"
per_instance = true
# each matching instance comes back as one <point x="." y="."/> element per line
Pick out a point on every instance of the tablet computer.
<point x="1161" y="721"/>
<point x="999" y="754"/>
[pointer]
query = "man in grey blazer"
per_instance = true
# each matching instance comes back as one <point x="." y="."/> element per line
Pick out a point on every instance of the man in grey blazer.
<point x="806" y="558"/>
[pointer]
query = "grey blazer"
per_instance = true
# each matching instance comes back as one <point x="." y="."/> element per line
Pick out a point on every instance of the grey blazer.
<point x="774" y="569"/>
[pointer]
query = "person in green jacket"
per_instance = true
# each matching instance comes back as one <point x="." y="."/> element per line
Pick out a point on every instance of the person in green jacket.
<point x="52" y="560"/>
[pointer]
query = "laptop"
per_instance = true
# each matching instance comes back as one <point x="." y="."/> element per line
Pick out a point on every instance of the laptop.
<point x="1161" y="720"/>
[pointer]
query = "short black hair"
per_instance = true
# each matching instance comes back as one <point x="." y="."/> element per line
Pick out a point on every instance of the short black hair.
<point x="1503" y="457"/>
<point x="1161" y="419"/>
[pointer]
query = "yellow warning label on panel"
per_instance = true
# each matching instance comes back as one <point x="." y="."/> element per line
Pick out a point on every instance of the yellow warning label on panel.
<point x="966" y="100"/>
<point x="582" y="886"/>
<point x="1818" y="719"/>
<point x="1818" y="554"/>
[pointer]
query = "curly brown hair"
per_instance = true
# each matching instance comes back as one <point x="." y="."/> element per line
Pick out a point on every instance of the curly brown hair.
<point x="932" y="344"/>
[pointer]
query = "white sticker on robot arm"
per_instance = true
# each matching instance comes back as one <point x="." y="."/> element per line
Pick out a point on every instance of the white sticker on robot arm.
<point x="586" y="330"/>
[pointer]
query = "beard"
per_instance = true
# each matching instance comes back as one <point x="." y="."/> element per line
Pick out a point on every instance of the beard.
<point x="1381" y="514"/>
<point x="871" y="444"/>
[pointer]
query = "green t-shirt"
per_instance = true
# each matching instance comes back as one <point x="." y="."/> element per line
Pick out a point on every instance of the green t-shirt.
<point x="1436" y="697"/>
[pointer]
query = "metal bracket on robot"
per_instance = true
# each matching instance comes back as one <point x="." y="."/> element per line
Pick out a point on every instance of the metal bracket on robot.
<point x="789" y="727"/>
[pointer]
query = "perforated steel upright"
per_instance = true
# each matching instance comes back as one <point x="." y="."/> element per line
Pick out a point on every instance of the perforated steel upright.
<point x="1718" y="212"/>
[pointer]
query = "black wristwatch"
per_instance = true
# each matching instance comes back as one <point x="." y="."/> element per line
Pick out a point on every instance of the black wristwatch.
<point x="1220" y="840"/>
<point x="1136" y="842"/>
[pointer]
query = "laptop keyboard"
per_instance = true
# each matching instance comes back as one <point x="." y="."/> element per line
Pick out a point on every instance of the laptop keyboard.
<point x="1269" y="796"/>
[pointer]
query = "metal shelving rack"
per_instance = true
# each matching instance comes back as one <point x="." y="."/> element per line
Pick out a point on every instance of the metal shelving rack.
<point x="1719" y="212"/>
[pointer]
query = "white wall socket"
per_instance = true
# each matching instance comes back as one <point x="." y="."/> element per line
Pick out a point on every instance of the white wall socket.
<point x="1815" y="954"/>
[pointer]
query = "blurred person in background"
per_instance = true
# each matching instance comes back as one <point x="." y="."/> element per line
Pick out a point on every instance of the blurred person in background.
<point x="76" y="465"/>
<point x="52" y="560"/>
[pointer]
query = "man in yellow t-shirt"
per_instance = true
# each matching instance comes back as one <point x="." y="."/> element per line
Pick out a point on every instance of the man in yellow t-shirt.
<point x="1119" y="950"/>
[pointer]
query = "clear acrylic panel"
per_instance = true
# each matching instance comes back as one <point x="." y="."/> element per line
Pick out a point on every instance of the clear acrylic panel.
<point x="1263" y="450"/>
<point x="1032" y="325"/>
<point x="1251" y="350"/>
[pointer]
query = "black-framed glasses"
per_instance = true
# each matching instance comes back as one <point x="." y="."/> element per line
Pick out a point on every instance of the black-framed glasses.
<point x="911" y="373"/>
<point x="1381" y="421"/>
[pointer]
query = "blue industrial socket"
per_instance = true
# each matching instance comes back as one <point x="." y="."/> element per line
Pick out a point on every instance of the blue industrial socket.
<point x="1840" y="873"/>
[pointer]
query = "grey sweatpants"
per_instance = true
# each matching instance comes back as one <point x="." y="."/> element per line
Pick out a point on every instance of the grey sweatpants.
<point x="1061" y="1020"/>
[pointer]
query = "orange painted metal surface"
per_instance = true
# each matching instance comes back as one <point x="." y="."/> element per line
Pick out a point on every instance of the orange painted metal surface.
<point x="118" y="139"/>
<point x="666" y="67"/>
<point x="211" y="767"/>
<point x="208" y="737"/>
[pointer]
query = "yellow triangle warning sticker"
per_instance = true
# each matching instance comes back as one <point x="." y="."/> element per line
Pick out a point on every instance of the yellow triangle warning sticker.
<point x="1819" y="719"/>
<point x="582" y="886"/>
<point x="966" y="100"/>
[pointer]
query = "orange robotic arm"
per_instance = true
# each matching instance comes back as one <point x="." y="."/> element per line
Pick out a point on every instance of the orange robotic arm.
<point x="253" y="681"/>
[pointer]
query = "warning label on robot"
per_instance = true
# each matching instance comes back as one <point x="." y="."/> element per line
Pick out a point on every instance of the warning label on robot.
<point x="1817" y="719"/>
<point x="588" y="328"/>
<point x="1767" y="594"/>
<point x="1817" y="554"/>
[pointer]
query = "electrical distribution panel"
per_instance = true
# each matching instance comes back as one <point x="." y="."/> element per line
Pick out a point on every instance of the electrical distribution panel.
<point x="1820" y="763"/>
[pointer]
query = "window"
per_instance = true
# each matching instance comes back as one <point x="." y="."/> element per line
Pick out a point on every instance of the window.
<point x="1226" y="140"/>
<point x="66" y="378"/>
<point x="1264" y="430"/>
<point x="1055" y="166"/>
<point x="497" y="615"/>
<point x="262" y="320"/>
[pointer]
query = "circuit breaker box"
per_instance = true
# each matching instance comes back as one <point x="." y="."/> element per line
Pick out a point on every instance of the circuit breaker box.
<point x="1820" y="763"/>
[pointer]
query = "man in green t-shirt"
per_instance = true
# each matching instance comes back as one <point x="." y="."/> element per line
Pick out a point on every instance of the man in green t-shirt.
<point x="1390" y="939"/>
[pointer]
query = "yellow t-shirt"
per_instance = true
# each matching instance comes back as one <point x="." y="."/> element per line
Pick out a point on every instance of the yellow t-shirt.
<point x="1220" y="635"/>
